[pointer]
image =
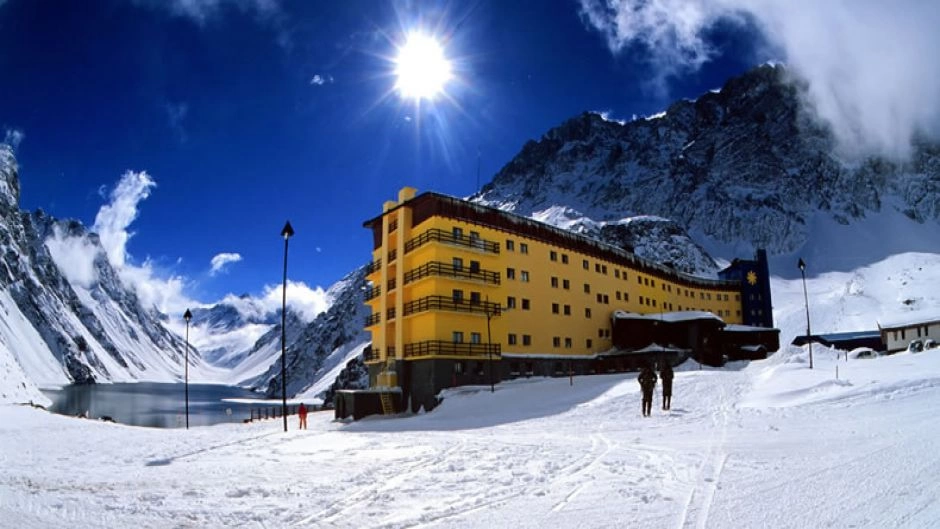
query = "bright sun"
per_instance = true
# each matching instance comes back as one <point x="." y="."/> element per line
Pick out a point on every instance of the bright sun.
<point x="421" y="67"/>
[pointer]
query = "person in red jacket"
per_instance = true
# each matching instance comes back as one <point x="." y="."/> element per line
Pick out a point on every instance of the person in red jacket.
<point x="302" y="413"/>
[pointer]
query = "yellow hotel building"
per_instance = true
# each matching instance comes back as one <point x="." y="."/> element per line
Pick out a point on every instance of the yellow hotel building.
<point x="466" y="294"/>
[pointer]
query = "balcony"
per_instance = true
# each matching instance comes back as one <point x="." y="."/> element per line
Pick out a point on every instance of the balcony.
<point x="390" y="314"/>
<point x="436" y="268"/>
<point x="373" y="267"/>
<point x="373" y="292"/>
<point x="448" y="303"/>
<point x="392" y="255"/>
<point x="438" y="235"/>
<point x="392" y="284"/>
<point x="442" y="348"/>
<point x="372" y="354"/>
<point x="373" y="319"/>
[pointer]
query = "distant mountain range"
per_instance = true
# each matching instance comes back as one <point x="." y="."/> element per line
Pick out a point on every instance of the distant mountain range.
<point x="743" y="167"/>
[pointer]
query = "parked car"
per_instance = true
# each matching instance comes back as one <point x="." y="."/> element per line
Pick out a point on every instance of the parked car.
<point x="930" y="343"/>
<point x="863" y="353"/>
<point x="916" y="346"/>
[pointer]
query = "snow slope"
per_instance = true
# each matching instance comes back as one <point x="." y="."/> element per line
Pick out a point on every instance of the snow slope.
<point x="772" y="444"/>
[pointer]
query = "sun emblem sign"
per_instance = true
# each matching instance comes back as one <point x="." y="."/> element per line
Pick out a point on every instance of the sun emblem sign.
<point x="752" y="278"/>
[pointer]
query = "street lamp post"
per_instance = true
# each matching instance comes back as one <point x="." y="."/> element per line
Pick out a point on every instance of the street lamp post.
<point x="809" y="333"/>
<point x="287" y="232"/>
<point x="187" y="316"/>
<point x="489" y="344"/>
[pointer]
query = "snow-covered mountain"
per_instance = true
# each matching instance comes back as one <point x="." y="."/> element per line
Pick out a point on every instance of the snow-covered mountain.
<point x="321" y="346"/>
<point x="64" y="324"/>
<point x="743" y="167"/>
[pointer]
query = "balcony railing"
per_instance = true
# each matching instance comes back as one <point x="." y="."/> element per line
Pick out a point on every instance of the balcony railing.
<point x="372" y="354"/>
<point x="373" y="267"/>
<point x="442" y="348"/>
<point x="391" y="284"/>
<point x="438" y="235"/>
<point x="437" y="268"/>
<point x="373" y="292"/>
<point x="390" y="314"/>
<point x="392" y="255"/>
<point x="392" y="225"/>
<point x="448" y="303"/>
<point x="373" y="319"/>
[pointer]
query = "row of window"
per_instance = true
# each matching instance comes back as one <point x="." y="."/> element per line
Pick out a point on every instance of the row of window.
<point x="475" y="337"/>
<point x="523" y="274"/>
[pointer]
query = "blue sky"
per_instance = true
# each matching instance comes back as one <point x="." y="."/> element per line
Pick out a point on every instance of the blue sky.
<point x="246" y="113"/>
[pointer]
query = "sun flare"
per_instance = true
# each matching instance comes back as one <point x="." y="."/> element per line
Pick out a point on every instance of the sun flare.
<point x="421" y="68"/>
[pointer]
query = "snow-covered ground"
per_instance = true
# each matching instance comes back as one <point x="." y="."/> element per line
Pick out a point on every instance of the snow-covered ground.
<point x="770" y="444"/>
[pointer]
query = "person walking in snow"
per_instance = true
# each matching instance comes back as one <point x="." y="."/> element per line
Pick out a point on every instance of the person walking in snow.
<point x="302" y="414"/>
<point x="666" y="375"/>
<point x="647" y="380"/>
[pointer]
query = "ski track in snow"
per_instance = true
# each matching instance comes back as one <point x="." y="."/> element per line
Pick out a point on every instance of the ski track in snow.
<point x="586" y="458"/>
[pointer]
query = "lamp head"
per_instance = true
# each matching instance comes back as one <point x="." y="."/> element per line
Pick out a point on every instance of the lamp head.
<point x="288" y="231"/>
<point x="801" y="264"/>
<point x="187" y="315"/>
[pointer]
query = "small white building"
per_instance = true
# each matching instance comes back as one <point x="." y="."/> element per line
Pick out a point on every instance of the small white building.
<point x="897" y="332"/>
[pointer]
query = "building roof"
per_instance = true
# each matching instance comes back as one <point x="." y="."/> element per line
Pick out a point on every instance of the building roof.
<point x="734" y="327"/>
<point x="671" y="317"/>
<point x="910" y="319"/>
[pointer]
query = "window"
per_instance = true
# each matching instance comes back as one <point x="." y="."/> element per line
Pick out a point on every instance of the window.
<point x="458" y="233"/>
<point x="564" y="258"/>
<point x="567" y="342"/>
<point x="565" y="284"/>
<point x="475" y="240"/>
<point x="639" y="280"/>
<point x="654" y="303"/>
<point x="474" y="267"/>
<point x="511" y="339"/>
<point x="604" y="269"/>
<point x="587" y="312"/>
<point x="587" y="288"/>
<point x="585" y="264"/>
<point x="510" y="302"/>
<point x="458" y="337"/>
<point x="475" y="337"/>
<point x="553" y="255"/>
<point x="458" y="264"/>
<point x="524" y="276"/>
<point x="646" y="281"/>
<point x="556" y="341"/>
<point x="525" y="304"/>
<point x="475" y="298"/>
<point x="606" y="299"/>
<point x="526" y="339"/>
<point x="641" y="300"/>
<point x="617" y="273"/>
<point x="597" y="267"/>
<point x="653" y="283"/>
<point x="567" y="310"/>
<point x="510" y="245"/>
<point x="600" y="333"/>
<point x="624" y="275"/>
<point x="618" y="295"/>
<point x="708" y="296"/>
<point x="523" y="247"/>
<point x="600" y="297"/>
<point x="554" y="308"/>
<point x="510" y="273"/>
<point x="606" y="333"/>
<point x="458" y="296"/>
<point x="554" y="282"/>
<point x="626" y="296"/>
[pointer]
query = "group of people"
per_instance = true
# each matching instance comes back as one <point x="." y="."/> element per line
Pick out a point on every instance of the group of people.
<point x="647" y="380"/>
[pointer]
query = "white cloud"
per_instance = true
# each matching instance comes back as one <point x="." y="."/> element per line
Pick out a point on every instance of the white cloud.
<point x="113" y="219"/>
<point x="867" y="62"/>
<point x="13" y="137"/>
<point x="222" y="259"/>
<point x="176" y="114"/>
<point x="321" y="80"/>
<point x="75" y="257"/>
<point x="307" y="302"/>
<point x="202" y="10"/>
